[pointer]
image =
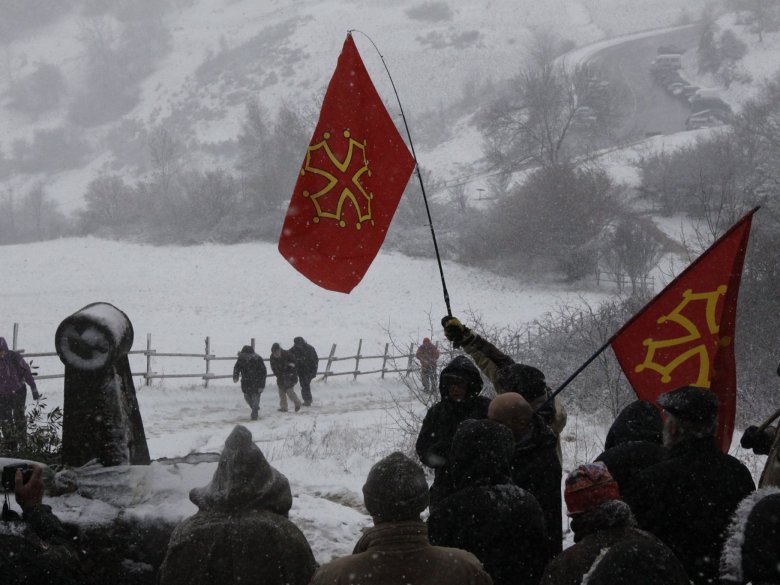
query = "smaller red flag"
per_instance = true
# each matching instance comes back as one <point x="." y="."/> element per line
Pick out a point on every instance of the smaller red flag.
<point x="351" y="180"/>
<point x="685" y="335"/>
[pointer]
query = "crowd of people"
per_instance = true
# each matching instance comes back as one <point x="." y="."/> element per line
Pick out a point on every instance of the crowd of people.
<point x="662" y="505"/>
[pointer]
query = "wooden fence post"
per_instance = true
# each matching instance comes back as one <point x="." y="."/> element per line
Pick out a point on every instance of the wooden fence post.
<point x="357" y="359"/>
<point x="253" y="344"/>
<point x="15" y="337"/>
<point x="330" y="362"/>
<point x="148" y="375"/>
<point x="208" y="363"/>
<point x="384" y="360"/>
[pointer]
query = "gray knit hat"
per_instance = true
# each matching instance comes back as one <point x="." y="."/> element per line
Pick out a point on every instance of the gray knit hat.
<point x="395" y="489"/>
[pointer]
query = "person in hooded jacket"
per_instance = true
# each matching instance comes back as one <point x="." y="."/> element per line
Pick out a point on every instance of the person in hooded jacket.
<point x="14" y="373"/>
<point x="396" y="549"/>
<point x="241" y="532"/>
<point x="765" y="440"/>
<point x="459" y="386"/>
<point x="751" y="554"/>
<point x="687" y="499"/>
<point x="601" y="523"/>
<point x="250" y="367"/>
<point x="307" y="363"/>
<point x="634" y="442"/>
<point x="535" y="464"/>
<point x="487" y="514"/>
<point x="508" y="376"/>
<point x="283" y="367"/>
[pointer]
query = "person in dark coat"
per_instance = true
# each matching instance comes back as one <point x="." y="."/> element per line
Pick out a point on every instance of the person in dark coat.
<point x="765" y="441"/>
<point x="602" y="523"/>
<point x="634" y="442"/>
<point x="752" y="550"/>
<point x="250" y="367"/>
<point x="283" y="367"/>
<point x="396" y="549"/>
<point x="687" y="500"/>
<point x="241" y="532"/>
<point x="35" y="548"/>
<point x="487" y="514"/>
<point x="14" y="373"/>
<point x="306" y="362"/>
<point x="459" y="386"/>
<point x="535" y="465"/>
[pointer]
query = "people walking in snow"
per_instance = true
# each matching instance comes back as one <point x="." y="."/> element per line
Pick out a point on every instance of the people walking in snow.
<point x="765" y="441"/>
<point x="14" y="374"/>
<point x="250" y="368"/>
<point x="396" y="549"/>
<point x="487" y="514"/>
<point x="306" y="362"/>
<point x="459" y="386"/>
<point x="241" y="532"/>
<point x="535" y="465"/>
<point x="601" y="522"/>
<point x="508" y="376"/>
<point x="283" y="367"/>
<point x="428" y="356"/>
<point x="687" y="499"/>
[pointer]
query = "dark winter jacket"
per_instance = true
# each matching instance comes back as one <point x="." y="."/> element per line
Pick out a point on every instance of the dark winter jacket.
<point x="633" y="443"/>
<point x="14" y="372"/>
<point x="638" y="562"/>
<point x="599" y="530"/>
<point x="536" y="469"/>
<point x="441" y="422"/>
<point x="687" y="501"/>
<point x="284" y="369"/>
<point x="250" y="367"/>
<point x="396" y="553"/>
<point x="306" y="359"/>
<point x="240" y="533"/>
<point x="37" y="550"/>
<point x="752" y="550"/>
<point x="487" y="514"/>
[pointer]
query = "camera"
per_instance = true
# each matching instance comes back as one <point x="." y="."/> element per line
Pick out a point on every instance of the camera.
<point x="9" y="474"/>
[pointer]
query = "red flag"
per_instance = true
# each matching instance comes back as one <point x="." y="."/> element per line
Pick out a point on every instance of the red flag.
<point x="685" y="335"/>
<point x="350" y="183"/>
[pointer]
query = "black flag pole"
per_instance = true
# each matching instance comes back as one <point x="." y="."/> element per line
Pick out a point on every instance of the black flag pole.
<point x="417" y="171"/>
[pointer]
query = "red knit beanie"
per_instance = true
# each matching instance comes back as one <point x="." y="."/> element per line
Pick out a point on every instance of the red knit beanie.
<point x="588" y="486"/>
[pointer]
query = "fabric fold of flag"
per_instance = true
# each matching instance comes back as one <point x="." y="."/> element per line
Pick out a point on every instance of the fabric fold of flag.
<point x="685" y="334"/>
<point x="352" y="177"/>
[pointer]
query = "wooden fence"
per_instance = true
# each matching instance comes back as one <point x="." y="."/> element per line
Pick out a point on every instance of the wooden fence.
<point x="389" y="362"/>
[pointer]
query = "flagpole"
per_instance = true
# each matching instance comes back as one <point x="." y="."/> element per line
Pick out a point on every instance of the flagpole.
<point x="417" y="170"/>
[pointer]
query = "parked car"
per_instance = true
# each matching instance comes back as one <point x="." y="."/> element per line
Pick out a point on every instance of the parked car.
<point x="707" y="119"/>
<point x="689" y="90"/>
<point x="675" y="88"/>
<point x="666" y="63"/>
<point x="699" y="104"/>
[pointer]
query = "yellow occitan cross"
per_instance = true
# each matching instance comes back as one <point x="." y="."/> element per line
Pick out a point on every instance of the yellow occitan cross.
<point x="352" y="191"/>
<point x="693" y="334"/>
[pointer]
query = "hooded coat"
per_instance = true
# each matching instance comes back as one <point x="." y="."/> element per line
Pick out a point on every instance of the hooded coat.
<point x="687" y="501"/>
<point x="599" y="530"/>
<point x="14" y="372"/>
<point x="284" y="368"/>
<point x="752" y="550"/>
<point x="250" y="367"/>
<point x="634" y="443"/>
<point x="306" y="359"/>
<point x="241" y="533"/>
<point x="487" y="514"/>
<point x="442" y="420"/>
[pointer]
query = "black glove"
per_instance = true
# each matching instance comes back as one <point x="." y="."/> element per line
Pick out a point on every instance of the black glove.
<point x="760" y="442"/>
<point x="35" y="394"/>
<point x="455" y="331"/>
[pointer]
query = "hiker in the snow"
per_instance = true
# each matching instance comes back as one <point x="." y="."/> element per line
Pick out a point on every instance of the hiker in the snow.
<point x="250" y="368"/>
<point x="751" y="554"/>
<point x="601" y="521"/>
<point x="459" y="386"/>
<point x="535" y="465"/>
<point x="306" y="362"/>
<point x="396" y="549"/>
<point x="428" y="356"/>
<point x="765" y="441"/>
<point x="508" y="376"/>
<point x="687" y="499"/>
<point x="634" y="442"/>
<point x="14" y="374"/>
<point x="283" y="367"/>
<point x="487" y="514"/>
<point x="241" y="532"/>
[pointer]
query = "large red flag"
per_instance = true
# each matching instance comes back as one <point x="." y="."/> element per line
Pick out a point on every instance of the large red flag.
<point x="685" y="335"/>
<point x="350" y="183"/>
